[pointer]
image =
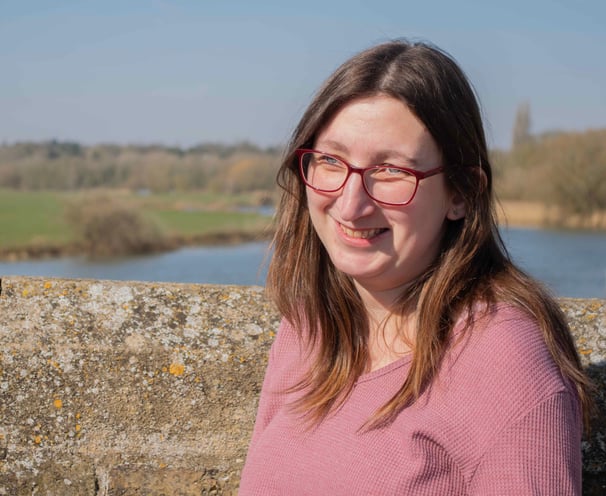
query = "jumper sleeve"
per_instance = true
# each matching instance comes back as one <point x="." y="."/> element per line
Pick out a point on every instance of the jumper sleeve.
<point x="280" y="374"/>
<point x="538" y="454"/>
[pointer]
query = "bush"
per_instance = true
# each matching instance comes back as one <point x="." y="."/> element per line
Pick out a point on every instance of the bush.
<point x="109" y="226"/>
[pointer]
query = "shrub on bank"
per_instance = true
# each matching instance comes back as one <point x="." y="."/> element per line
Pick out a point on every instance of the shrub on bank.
<point x="109" y="226"/>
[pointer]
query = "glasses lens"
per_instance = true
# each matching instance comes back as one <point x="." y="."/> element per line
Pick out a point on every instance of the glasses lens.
<point x="390" y="184"/>
<point x="323" y="172"/>
<point x="384" y="184"/>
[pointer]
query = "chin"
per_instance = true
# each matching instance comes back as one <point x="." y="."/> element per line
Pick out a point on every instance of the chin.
<point x="358" y="271"/>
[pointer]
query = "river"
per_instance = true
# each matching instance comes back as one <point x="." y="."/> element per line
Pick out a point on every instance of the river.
<point x="570" y="263"/>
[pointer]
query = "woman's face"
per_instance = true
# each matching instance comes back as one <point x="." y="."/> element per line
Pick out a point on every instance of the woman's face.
<point x="382" y="247"/>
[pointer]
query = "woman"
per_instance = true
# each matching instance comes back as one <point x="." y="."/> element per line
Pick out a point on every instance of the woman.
<point x="413" y="357"/>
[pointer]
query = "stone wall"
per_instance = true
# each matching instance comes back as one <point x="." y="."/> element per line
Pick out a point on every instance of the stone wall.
<point x="120" y="388"/>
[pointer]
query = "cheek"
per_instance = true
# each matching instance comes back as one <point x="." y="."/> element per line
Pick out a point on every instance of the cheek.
<point x="317" y="202"/>
<point x="422" y="221"/>
<point x="315" y="209"/>
<point x="434" y="202"/>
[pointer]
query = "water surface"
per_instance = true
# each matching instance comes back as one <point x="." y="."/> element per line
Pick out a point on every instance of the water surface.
<point x="570" y="263"/>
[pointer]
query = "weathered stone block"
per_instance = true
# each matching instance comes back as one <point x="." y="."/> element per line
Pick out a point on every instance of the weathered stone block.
<point x="128" y="388"/>
<point x="154" y="481"/>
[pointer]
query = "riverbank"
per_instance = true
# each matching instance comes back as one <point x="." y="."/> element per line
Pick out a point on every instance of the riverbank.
<point x="510" y="214"/>
<point x="224" y="238"/>
<point x="538" y="216"/>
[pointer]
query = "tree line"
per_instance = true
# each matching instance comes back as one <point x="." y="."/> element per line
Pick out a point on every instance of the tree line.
<point x="565" y="170"/>
<point x="68" y="166"/>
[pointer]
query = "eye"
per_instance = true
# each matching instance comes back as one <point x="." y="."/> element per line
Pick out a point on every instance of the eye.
<point x="327" y="159"/>
<point x="328" y="162"/>
<point x="390" y="173"/>
<point x="394" y="171"/>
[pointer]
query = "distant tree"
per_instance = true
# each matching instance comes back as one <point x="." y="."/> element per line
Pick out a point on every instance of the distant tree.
<point x="56" y="149"/>
<point x="247" y="172"/>
<point x="521" y="126"/>
<point x="579" y="174"/>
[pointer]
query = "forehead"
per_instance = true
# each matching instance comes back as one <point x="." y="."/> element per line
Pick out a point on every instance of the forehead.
<point x="377" y="127"/>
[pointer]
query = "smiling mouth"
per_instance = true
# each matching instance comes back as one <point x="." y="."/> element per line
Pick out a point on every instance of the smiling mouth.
<point x="362" y="233"/>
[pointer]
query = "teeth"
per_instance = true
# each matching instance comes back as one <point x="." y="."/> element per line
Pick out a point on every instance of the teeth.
<point x="361" y="233"/>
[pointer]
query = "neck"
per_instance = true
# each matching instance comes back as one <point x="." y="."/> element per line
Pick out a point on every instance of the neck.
<point x="391" y="331"/>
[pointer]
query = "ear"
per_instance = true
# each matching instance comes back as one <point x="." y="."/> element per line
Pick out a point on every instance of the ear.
<point x="457" y="208"/>
<point x="482" y="180"/>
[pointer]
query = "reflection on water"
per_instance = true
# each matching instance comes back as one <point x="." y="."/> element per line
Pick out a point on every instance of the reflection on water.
<point x="571" y="263"/>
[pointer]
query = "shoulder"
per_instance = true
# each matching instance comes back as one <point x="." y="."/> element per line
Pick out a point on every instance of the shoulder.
<point x="506" y="342"/>
<point x="499" y="374"/>
<point x="501" y="363"/>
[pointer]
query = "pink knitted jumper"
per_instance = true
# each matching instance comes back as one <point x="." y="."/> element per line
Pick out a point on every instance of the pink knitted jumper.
<point x="499" y="420"/>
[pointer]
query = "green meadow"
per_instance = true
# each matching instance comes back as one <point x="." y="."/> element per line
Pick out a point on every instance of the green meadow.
<point x="37" y="219"/>
<point x="32" y="218"/>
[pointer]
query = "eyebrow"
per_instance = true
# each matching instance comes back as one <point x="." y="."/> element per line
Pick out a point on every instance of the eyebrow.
<point x="381" y="156"/>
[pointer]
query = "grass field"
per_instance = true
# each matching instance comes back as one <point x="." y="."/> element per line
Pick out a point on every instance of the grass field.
<point x="28" y="218"/>
<point x="37" y="219"/>
<point x="192" y="223"/>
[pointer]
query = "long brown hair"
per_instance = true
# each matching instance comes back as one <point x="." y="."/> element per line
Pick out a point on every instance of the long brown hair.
<point x="473" y="264"/>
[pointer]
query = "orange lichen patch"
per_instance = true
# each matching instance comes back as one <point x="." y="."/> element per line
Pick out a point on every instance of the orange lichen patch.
<point x="594" y="306"/>
<point x="78" y="415"/>
<point x="78" y="427"/>
<point x="25" y="292"/>
<point x="58" y="403"/>
<point x="272" y="334"/>
<point x="176" y="369"/>
<point x="162" y="465"/>
<point x="164" y="369"/>
<point x="586" y="351"/>
<point x="48" y="285"/>
<point x="37" y="439"/>
<point x="54" y="363"/>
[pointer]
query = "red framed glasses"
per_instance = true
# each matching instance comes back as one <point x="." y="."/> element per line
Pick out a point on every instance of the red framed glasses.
<point x="387" y="184"/>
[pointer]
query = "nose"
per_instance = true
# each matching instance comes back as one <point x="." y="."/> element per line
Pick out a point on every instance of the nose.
<point x="353" y="201"/>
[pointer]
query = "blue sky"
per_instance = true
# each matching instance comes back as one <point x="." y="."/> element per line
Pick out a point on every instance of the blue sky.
<point x="184" y="72"/>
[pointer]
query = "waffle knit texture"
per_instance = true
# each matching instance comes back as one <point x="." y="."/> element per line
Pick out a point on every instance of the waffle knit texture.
<point x="498" y="420"/>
